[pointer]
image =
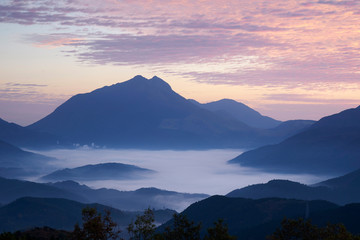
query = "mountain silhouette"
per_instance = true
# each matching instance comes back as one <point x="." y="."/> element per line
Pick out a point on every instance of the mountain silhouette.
<point x="11" y="189"/>
<point x="138" y="200"/>
<point x="15" y="162"/>
<point x="29" y="212"/>
<point x="255" y="219"/>
<point x="131" y="200"/>
<point x="103" y="171"/>
<point x="28" y="138"/>
<point x="341" y="190"/>
<point x="239" y="111"/>
<point x="143" y="113"/>
<point x="330" y="146"/>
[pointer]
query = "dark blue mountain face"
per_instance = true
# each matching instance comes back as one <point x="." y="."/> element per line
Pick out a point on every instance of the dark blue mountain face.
<point x="143" y="113"/>
<point x="15" y="162"/>
<point x="24" y="137"/>
<point x="330" y="146"/>
<point x="241" y="112"/>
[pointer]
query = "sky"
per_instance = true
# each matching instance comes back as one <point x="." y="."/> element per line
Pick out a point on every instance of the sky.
<point x="294" y="59"/>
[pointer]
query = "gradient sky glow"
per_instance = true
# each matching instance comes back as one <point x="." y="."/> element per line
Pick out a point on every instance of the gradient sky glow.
<point x="287" y="59"/>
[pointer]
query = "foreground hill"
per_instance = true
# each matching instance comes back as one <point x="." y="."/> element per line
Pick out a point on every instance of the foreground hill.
<point x="330" y="146"/>
<point x="58" y="213"/>
<point x="15" y="162"/>
<point x="250" y="219"/>
<point x="24" y="137"/>
<point x="104" y="171"/>
<point x="255" y="219"/>
<point x="239" y="111"/>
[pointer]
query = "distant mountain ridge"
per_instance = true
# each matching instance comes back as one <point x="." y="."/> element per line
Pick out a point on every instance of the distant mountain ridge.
<point x="11" y="189"/>
<point x="330" y="146"/>
<point x="141" y="113"/>
<point x="239" y="111"/>
<point x="148" y="114"/>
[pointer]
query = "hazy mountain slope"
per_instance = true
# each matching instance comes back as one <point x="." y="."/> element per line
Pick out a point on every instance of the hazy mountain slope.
<point x="241" y="112"/>
<point x="26" y="213"/>
<point x="282" y="189"/>
<point x="330" y="146"/>
<point x="350" y="181"/>
<point x="15" y="162"/>
<point x="24" y="137"/>
<point x="11" y="190"/>
<point x="242" y="215"/>
<point x="103" y="171"/>
<point x="132" y="200"/>
<point x="341" y="193"/>
<point x="144" y="113"/>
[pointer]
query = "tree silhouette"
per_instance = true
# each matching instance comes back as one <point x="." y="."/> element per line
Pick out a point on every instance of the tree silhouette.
<point x="182" y="229"/>
<point x="95" y="226"/>
<point x="304" y="230"/>
<point x="219" y="232"/>
<point x="143" y="228"/>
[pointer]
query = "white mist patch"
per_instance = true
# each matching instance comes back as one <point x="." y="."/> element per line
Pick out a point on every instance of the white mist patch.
<point x="203" y="171"/>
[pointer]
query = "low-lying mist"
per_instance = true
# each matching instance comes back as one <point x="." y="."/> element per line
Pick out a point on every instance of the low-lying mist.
<point x="183" y="171"/>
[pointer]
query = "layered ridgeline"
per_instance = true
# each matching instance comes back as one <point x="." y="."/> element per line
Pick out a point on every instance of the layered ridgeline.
<point x="28" y="212"/>
<point x="11" y="189"/>
<point x="255" y="219"/>
<point x="330" y="146"/>
<point x="239" y="111"/>
<point x="340" y="190"/>
<point x="146" y="113"/>
<point x="17" y="163"/>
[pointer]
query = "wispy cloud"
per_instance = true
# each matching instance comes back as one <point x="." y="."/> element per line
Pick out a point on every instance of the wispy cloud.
<point x="304" y="41"/>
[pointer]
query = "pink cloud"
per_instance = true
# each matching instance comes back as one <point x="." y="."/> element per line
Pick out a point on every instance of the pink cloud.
<point x="300" y="41"/>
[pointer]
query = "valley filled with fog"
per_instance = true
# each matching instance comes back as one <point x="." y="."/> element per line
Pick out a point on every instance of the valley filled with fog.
<point x="203" y="171"/>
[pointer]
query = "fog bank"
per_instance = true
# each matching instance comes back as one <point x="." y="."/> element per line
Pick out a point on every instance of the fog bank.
<point x="204" y="171"/>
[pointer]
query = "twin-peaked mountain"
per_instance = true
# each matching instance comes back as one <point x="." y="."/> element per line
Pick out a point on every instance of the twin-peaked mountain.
<point x="146" y="113"/>
<point x="330" y="146"/>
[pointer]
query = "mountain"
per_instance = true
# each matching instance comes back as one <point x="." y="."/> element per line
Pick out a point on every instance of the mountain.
<point x="58" y="213"/>
<point x="15" y="162"/>
<point x="132" y="200"/>
<point x="104" y="171"/>
<point x="350" y="181"/>
<point x="282" y="189"/>
<point x="255" y="219"/>
<point x="239" y="111"/>
<point x="145" y="113"/>
<point x="28" y="138"/>
<point x="11" y="189"/>
<point x="330" y="146"/>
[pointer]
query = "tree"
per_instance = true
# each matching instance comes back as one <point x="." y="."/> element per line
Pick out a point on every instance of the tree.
<point x="304" y="230"/>
<point x="143" y="228"/>
<point x="182" y="229"/>
<point x="219" y="232"/>
<point x="95" y="226"/>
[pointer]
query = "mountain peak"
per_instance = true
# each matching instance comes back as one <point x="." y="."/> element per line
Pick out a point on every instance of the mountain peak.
<point x="154" y="82"/>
